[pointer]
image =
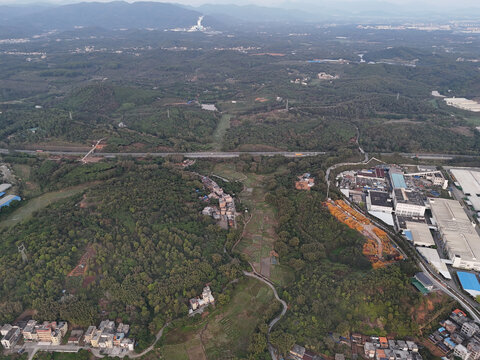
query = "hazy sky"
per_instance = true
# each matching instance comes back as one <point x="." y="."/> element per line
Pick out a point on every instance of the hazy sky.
<point x="279" y="3"/>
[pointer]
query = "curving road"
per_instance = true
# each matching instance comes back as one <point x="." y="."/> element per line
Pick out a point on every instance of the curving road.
<point x="449" y="291"/>
<point x="263" y="279"/>
<point x="150" y="348"/>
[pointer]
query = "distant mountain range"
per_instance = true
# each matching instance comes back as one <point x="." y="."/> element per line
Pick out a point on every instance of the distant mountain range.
<point x="343" y="11"/>
<point x="157" y="15"/>
<point x="111" y="15"/>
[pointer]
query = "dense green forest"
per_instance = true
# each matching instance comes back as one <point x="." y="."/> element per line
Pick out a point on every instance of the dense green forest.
<point x="152" y="251"/>
<point x="126" y="116"/>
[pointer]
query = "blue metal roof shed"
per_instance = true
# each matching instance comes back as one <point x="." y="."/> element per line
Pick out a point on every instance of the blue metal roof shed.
<point x="5" y="201"/>
<point x="408" y="234"/>
<point x="469" y="283"/>
<point x="398" y="181"/>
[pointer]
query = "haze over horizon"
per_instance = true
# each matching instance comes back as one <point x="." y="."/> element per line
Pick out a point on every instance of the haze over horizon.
<point x="302" y="4"/>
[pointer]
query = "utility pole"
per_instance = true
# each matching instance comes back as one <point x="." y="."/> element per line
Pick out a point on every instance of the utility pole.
<point x="168" y="113"/>
<point x="286" y="108"/>
<point x="22" y="250"/>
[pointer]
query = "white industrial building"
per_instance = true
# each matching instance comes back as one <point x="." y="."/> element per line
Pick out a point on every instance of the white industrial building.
<point x="460" y="238"/>
<point x="379" y="201"/>
<point x="432" y="257"/>
<point x="469" y="180"/>
<point x="421" y="235"/>
<point x="408" y="203"/>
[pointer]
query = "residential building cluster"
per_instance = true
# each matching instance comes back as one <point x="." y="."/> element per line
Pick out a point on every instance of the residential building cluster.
<point x="383" y="348"/>
<point x="198" y="304"/>
<point x="305" y="182"/>
<point x="108" y="336"/>
<point x="225" y="212"/>
<point x="458" y="335"/>
<point x="46" y="332"/>
<point x="301" y="81"/>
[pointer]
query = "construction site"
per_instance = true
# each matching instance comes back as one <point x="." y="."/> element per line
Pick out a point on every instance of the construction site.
<point x="377" y="248"/>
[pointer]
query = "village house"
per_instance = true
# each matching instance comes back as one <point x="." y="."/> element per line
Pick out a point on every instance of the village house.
<point x="108" y="336"/>
<point x="11" y="337"/>
<point x="199" y="303"/>
<point x="305" y="182"/>
<point x="75" y="337"/>
<point x="5" y="329"/>
<point x="382" y="348"/>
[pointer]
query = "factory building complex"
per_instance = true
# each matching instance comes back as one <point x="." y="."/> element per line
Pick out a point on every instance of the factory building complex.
<point x="416" y="204"/>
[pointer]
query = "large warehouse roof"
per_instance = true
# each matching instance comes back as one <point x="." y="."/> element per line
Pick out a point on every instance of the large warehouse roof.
<point x="420" y="233"/>
<point x="456" y="228"/>
<point x="469" y="282"/>
<point x="469" y="180"/>
<point x="431" y="255"/>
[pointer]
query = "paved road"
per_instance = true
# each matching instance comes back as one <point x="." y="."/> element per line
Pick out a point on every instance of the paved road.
<point x="197" y="155"/>
<point x="450" y="291"/>
<point x="257" y="276"/>
<point x="427" y="156"/>
<point x="233" y="154"/>
<point x="150" y="348"/>
<point x="33" y="348"/>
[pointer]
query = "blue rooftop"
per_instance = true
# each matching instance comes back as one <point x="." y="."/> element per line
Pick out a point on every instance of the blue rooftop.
<point x="450" y="342"/>
<point x="8" y="199"/>
<point x="1" y="193"/>
<point x="469" y="281"/>
<point x="408" y="234"/>
<point x="398" y="181"/>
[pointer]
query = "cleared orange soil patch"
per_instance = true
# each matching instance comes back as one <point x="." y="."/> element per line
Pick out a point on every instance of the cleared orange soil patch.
<point x="377" y="248"/>
<point x="81" y="268"/>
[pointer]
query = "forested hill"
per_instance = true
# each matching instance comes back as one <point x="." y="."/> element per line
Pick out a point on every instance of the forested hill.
<point x="112" y="15"/>
<point x="149" y="249"/>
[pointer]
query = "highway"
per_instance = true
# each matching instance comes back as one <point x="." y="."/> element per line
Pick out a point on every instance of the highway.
<point x="194" y="155"/>
<point x="234" y="154"/>
<point x="426" y="156"/>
